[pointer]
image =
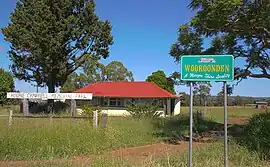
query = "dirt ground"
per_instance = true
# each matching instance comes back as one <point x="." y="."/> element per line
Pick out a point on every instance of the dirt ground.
<point x="238" y="121"/>
<point x="133" y="155"/>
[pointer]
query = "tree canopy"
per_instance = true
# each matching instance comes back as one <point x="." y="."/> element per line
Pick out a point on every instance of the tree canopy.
<point x="159" y="78"/>
<point x="6" y="85"/>
<point x="240" y="28"/>
<point x="51" y="39"/>
<point x="94" y="71"/>
<point x="116" y="71"/>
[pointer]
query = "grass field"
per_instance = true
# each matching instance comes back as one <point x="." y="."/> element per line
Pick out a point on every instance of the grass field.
<point x="217" y="114"/>
<point x="39" y="139"/>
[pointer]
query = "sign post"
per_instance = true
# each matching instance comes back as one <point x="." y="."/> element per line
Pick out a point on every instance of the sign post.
<point x="190" y="123"/>
<point x="225" y="126"/>
<point x="207" y="68"/>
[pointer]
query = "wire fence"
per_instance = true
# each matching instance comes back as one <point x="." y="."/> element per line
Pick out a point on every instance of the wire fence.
<point x="94" y="117"/>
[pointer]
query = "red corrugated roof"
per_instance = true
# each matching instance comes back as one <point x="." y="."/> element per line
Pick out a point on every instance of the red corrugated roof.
<point x="126" y="89"/>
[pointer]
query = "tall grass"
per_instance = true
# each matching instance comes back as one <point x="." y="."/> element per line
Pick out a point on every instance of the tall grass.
<point x="212" y="156"/>
<point x="208" y="156"/>
<point x="36" y="139"/>
<point x="48" y="139"/>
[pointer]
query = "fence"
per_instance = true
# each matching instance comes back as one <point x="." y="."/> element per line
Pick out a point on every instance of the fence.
<point x="104" y="118"/>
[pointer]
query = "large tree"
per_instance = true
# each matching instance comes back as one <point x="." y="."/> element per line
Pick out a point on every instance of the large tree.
<point x="94" y="71"/>
<point x="50" y="39"/>
<point x="202" y="93"/>
<point x="159" y="78"/>
<point x="116" y="71"/>
<point x="220" y="95"/>
<point x="240" y="28"/>
<point x="6" y="85"/>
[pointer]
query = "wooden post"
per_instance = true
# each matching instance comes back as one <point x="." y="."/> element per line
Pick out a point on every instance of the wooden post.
<point x="73" y="107"/>
<point x="104" y="118"/>
<point x="10" y="118"/>
<point x="25" y="107"/>
<point x="95" y="119"/>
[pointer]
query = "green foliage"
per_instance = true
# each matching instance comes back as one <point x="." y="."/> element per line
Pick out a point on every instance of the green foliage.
<point x="41" y="108"/>
<point x="234" y="28"/>
<point x="89" y="109"/>
<point x="143" y="110"/>
<point x="159" y="78"/>
<point x="94" y="71"/>
<point x="73" y="82"/>
<point x="6" y="85"/>
<point x="257" y="134"/>
<point x="50" y="40"/>
<point x="116" y="71"/>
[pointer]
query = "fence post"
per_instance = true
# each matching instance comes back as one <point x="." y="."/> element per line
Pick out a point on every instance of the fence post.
<point x="10" y="118"/>
<point x="73" y="107"/>
<point x="95" y="119"/>
<point x="25" y="107"/>
<point x="104" y="118"/>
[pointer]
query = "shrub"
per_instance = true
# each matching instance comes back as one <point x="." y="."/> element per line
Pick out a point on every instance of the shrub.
<point x="41" y="107"/>
<point x="143" y="110"/>
<point x="88" y="109"/>
<point x="257" y="134"/>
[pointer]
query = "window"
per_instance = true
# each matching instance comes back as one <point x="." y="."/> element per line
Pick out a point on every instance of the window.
<point x="116" y="102"/>
<point x="113" y="102"/>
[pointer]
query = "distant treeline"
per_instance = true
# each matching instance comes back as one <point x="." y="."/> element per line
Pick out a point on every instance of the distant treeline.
<point x="218" y="100"/>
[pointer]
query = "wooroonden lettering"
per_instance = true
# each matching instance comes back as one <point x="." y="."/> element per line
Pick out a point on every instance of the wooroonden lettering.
<point x="207" y="68"/>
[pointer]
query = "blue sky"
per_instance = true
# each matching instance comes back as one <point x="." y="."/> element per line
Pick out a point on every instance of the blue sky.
<point x="143" y="33"/>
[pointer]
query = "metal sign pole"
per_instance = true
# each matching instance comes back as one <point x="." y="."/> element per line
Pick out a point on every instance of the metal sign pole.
<point x="218" y="68"/>
<point x="225" y="126"/>
<point x="190" y="125"/>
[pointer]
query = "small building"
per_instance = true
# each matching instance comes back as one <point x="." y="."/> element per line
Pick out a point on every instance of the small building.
<point x="114" y="96"/>
<point x="261" y="104"/>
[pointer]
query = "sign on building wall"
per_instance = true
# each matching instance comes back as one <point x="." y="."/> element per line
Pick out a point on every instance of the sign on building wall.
<point x="45" y="96"/>
<point x="207" y="68"/>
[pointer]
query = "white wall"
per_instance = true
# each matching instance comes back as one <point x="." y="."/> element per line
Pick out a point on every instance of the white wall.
<point x="117" y="112"/>
<point x="177" y="108"/>
<point x="123" y="112"/>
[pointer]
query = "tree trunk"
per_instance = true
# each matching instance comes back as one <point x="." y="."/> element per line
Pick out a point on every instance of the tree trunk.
<point x="51" y="89"/>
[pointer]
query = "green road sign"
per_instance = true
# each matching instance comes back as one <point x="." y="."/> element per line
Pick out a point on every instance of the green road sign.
<point x="207" y="68"/>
